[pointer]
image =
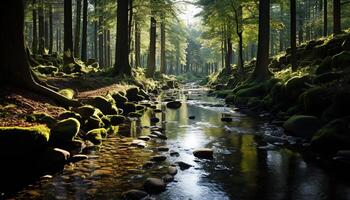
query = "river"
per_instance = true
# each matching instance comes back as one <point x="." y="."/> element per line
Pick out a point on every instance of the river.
<point x="242" y="168"/>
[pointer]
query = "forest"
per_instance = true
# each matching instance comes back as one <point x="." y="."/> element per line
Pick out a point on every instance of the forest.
<point x="175" y="99"/>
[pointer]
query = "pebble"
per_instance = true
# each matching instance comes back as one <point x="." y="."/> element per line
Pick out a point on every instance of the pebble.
<point x="172" y="170"/>
<point x="168" y="178"/>
<point x="134" y="194"/>
<point x="163" y="148"/>
<point x="158" y="158"/>
<point x="205" y="153"/>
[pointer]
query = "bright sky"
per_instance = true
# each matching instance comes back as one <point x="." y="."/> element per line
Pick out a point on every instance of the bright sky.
<point x="188" y="12"/>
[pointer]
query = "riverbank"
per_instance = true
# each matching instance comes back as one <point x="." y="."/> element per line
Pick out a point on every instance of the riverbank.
<point x="310" y="103"/>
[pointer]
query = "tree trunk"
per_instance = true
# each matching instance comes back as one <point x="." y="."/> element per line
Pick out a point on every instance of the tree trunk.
<point x="41" y="28"/>
<point x="77" y="30"/>
<point x="15" y="68"/>
<point x="151" y="63"/>
<point x="105" y="48"/>
<point x="68" y="33"/>
<point x="228" y="60"/>
<point x="261" y="71"/>
<point x="293" y="32"/>
<point x="122" y="65"/>
<point x="336" y="17"/>
<point x="35" y="31"/>
<point x="162" y="48"/>
<point x="137" y="45"/>
<point x="281" y="32"/>
<point x="95" y="32"/>
<point x="325" y="16"/>
<point x="51" y="29"/>
<point x="240" y="53"/>
<point x="84" y="33"/>
<point x="100" y="43"/>
<point x="108" y="48"/>
<point x="46" y="27"/>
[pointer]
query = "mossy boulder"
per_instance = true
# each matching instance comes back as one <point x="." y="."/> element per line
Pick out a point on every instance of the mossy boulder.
<point x="93" y="122"/>
<point x="46" y="69"/>
<point x="96" y="135"/>
<point x="341" y="60"/>
<point x="144" y="94"/>
<point x="332" y="137"/>
<point x="340" y="106"/>
<point x="85" y="111"/>
<point x="230" y="99"/>
<point x="68" y="93"/>
<point x="327" y="77"/>
<point x="116" y="119"/>
<point x="325" y="66"/>
<point x="107" y="106"/>
<point x="316" y="100"/>
<point x="128" y="107"/>
<point x="174" y="104"/>
<point x="65" y="130"/>
<point x="135" y="115"/>
<point x="296" y="86"/>
<point x="70" y="114"/>
<point x="23" y="141"/>
<point x="133" y="94"/>
<point x="303" y="126"/>
<point x="119" y="99"/>
<point x="41" y="118"/>
<point x="278" y="92"/>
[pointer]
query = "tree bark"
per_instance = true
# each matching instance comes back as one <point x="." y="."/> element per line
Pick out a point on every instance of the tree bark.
<point x="325" y="16"/>
<point x="293" y="32"/>
<point x="151" y="63"/>
<point x="77" y="30"/>
<point x="100" y="42"/>
<point x="41" y="28"/>
<point x="51" y="29"/>
<point x="228" y="60"/>
<point x="15" y="68"/>
<point x="261" y="71"/>
<point x="137" y="45"/>
<point x="162" y="48"/>
<point x="95" y="32"/>
<point x="336" y="17"/>
<point x="68" y="33"/>
<point x="84" y="33"/>
<point x="122" y="65"/>
<point x="35" y="31"/>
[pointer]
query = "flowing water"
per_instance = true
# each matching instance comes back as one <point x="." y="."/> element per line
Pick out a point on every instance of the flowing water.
<point x="240" y="169"/>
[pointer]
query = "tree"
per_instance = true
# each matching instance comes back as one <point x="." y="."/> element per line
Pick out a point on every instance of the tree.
<point x="51" y="29"/>
<point x="162" y="48"/>
<point x="336" y="17"/>
<point x="84" y="32"/>
<point x="122" y="66"/>
<point x="15" y="69"/>
<point x="41" y="27"/>
<point x="68" y="33"/>
<point x="35" y="33"/>
<point x="325" y="25"/>
<point x="261" y="71"/>
<point x="293" y="33"/>
<point x="77" y="30"/>
<point x="151" y="65"/>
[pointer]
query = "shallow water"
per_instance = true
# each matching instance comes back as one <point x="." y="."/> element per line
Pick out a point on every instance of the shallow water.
<point x="239" y="170"/>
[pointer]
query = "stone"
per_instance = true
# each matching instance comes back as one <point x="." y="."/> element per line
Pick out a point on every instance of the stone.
<point x="95" y="135"/>
<point x="154" y="185"/>
<point x="116" y="119"/>
<point x="163" y="148"/>
<point x="191" y="117"/>
<point x="205" y="153"/>
<point x="174" y="153"/>
<point x="134" y="194"/>
<point x="174" y="104"/>
<point x="119" y="99"/>
<point x="172" y="170"/>
<point x="107" y="106"/>
<point x="168" y="178"/>
<point x="54" y="158"/>
<point x="226" y="119"/>
<point x="158" y="158"/>
<point x="183" y="165"/>
<point x="157" y="110"/>
<point x="155" y="120"/>
<point x="145" y="138"/>
<point x="70" y="114"/>
<point x="78" y="157"/>
<point x="85" y="111"/>
<point x="93" y="122"/>
<point x="303" y="126"/>
<point x="65" y="130"/>
<point x="68" y="93"/>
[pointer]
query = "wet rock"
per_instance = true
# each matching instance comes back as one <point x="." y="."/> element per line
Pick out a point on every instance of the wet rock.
<point x="65" y="130"/>
<point x="191" y="117"/>
<point x="174" y="104"/>
<point x="168" y="178"/>
<point x="154" y="185"/>
<point x="226" y="119"/>
<point x="107" y="106"/>
<point x="275" y="140"/>
<point x="116" y="119"/>
<point x="157" y="110"/>
<point x="183" y="165"/>
<point x="54" y="158"/>
<point x="174" y="153"/>
<point x="85" y="111"/>
<point x="134" y="194"/>
<point x="139" y="143"/>
<point x="93" y="122"/>
<point x="163" y="148"/>
<point x="302" y="126"/>
<point x="158" y="158"/>
<point x="205" y="153"/>
<point x="163" y="137"/>
<point x="133" y="94"/>
<point x="78" y="157"/>
<point x="145" y="138"/>
<point x="155" y="120"/>
<point x="148" y="165"/>
<point x="172" y="170"/>
<point x="96" y="135"/>
<point x="102" y="172"/>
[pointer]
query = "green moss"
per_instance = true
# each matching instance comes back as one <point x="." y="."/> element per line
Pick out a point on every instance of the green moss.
<point x="296" y="86"/>
<point x="85" y="111"/>
<point x="119" y="98"/>
<point x="70" y="114"/>
<point x="128" y="107"/>
<point x="107" y="106"/>
<point x="96" y="135"/>
<point x="69" y="93"/>
<point x="41" y="118"/>
<point x="134" y="114"/>
<point x="65" y="130"/>
<point x="341" y="60"/>
<point x="303" y="126"/>
<point x="316" y="100"/>
<point x="93" y="122"/>
<point x="325" y="66"/>
<point x="46" y="69"/>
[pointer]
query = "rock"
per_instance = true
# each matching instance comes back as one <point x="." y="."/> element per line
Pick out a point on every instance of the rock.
<point x="157" y="110"/>
<point x="93" y="122"/>
<point x="158" y="158"/>
<point x="162" y="136"/>
<point x="168" y="178"/>
<point x="302" y="126"/>
<point x="129" y="107"/>
<point x="134" y="194"/>
<point x="276" y="140"/>
<point x="139" y="143"/>
<point x="340" y="106"/>
<point x="68" y="93"/>
<point x="191" y="117"/>
<point x="172" y="170"/>
<point x="154" y="185"/>
<point x="174" y="153"/>
<point x="155" y="120"/>
<point x="205" y="153"/>
<point x="46" y="69"/>
<point x="70" y="114"/>
<point x="163" y="148"/>
<point x="133" y="94"/>
<point x="22" y="141"/>
<point x="295" y="86"/>
<point x="174" y="104"/>
<point x="144" y="94"/>
<point x="341" y="60"/>
<point x="148" y="165"/>
<point x="65" y="130"/>
<point x="316" y="100"/>
<point x="325" y="66"/>
<point x="145" y="138"/>
<point x="54" y="158"/>
<point x="327" y="77"/>
<point x="226" y="119"/>
<point x="41" y="118"/>
<point x="85" y="111"/>
<point x="134" y="115"/>
<point x="78" y="157"/>
<point x="119" y="99"/>
<point x="116" y="119"/>
<point x="107" y="106"/>
<point x="183" y="165"/>
<point x="95" y="136"/>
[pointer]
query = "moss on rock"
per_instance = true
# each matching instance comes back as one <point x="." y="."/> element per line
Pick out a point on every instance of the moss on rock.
<point x="96" y="135"/>
<point x="302" y="126"/>
<point x="68" y="93"/>
<point x="116" y="119"/>
<point x="316" y="100"/>
<point x="65" y="130"/>
<point x="107" y="106"/>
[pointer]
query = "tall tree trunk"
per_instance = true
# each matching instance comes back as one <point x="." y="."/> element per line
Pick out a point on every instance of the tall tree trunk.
<point x="151" y="63"/>
<point x="228" y="60"/>
<point x="281" y="31"/>
<point x="68" y="33"/>
<point x="84" y="33"/>
<point x="35" y="31"/>
<point x="95" y="32"/>
<point x="51" y="29"/>
<point x="336" y="17"/>
<point x="293" y="32"/>
<point x="77" y="30"/>
<point x="100" y="43"/>
<point x="15" y="68"/>
<point x="240" y="53"/>
<point x="301" y="24"/>
<point x="122" y="65"/>
<point x="162" y="48"/>
<point x="261" y="71"/>
<point x="109" y="48"/>
<point x="41" y="28"/>
<point x="46" y="29"/>
<point x="130" y="24"/>
<point x="105" y="48"/>
<point x="137" y="45"/>
<point x="58" y="40"/>
<point x="325" y="16"/>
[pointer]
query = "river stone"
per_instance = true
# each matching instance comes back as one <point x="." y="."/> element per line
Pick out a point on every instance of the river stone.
<point x="145" y="138"/>
<point x="183" y="165"/>
<point x="134" y="194"/>
<point x="157" y="110"/>
<point x="174" y="104"/>
<point x="203" y="153"/>
<point x="174" y="153"/>
<point x="226" y="119"/>
<point x="168" y="178"/>
<point x="65" y="130"/>
<point x="191" y="117"/>
<point x="155" y="120"/>
<point x="154" y="185"/>
<point x="172" y="170"/>
<point x="158" y="158"/>
<point x="148" y="165"/>
<point x="78" y="157"/>
<point x="303" y="126"/>
<point x="54" y="158"/>
<point x="163" y="148"/>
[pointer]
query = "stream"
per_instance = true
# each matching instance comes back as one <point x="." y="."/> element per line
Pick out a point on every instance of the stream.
<point x="241" y="168"/>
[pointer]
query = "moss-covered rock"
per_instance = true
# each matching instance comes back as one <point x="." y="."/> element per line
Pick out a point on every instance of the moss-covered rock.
<point x="174" y="104"/>
<point x="119" y="99"/>
<point x="134" y="115"/>
<point x="93" y="122"/>
<point x="116" y="119"/>
<point x="316" y="100"/>
<point x="325" y="66"/>
<point x="41" y="118"/>
<point x="65" y="130"/>
<point x="327" y="77"/>
<point x="68" y="93"/>
<point x="230" y="99"/>
<point x="96" y="135"/>
<point x="332" y="137"/>
<point x="340" y="106"/>
<point x="107" y="106"/>
<point x="70" y="114"/>
<point x="21" y="141"/>
<point x="46" y="69"/>
<point x="302" y="126"/>
<point x="341" y="60"/>
<point x="144" y="94"/>
<point x="85" y="111"/>
<point x="128" y="107"/>
<point x="296" y="86"/>
<point x="133" y="94"/>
